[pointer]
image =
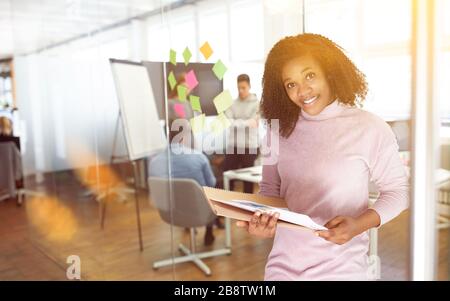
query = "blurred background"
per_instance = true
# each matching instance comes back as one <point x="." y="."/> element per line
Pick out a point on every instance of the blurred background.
<point x="75" y="194"/>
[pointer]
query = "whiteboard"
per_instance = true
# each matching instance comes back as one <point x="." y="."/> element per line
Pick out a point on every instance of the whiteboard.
<point x="143" y="132"/>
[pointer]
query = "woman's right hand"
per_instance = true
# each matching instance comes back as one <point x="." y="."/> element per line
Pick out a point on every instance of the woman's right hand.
<point x="261" y="224"/>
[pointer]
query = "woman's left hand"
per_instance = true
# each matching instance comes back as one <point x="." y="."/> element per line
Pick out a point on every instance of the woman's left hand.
<point x="341" y="229"/>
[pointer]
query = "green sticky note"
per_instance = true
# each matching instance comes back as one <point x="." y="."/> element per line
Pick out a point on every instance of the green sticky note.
<point x="195" y="103"/>
<point x="223" y="101"/>
<point x="173" y="57"/>
<point x="220" y="123"/>
<point x="187" y="55"/>
<point x="172" y="80"/>
<point x="219" y="69"/>
<point x="182" y="92"/>
<point x="197" y="123"/>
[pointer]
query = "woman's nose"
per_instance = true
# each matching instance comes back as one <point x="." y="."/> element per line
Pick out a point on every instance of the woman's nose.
<point x="303" y="91"/>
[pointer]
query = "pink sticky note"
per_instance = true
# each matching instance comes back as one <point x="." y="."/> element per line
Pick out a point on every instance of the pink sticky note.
<point x="191" y="80"/>
<point x="179" y="110"/>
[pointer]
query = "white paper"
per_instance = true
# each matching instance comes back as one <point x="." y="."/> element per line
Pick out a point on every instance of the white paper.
<point x="285" y="214"/>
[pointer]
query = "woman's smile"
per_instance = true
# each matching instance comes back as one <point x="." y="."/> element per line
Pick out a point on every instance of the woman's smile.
<point x="310" y="101"/>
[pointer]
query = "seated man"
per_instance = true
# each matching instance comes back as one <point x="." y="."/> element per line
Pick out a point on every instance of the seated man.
<point x="185" y="163"/>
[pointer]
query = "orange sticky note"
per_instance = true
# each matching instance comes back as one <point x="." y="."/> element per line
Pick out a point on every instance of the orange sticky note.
<point x="206" y="50"/>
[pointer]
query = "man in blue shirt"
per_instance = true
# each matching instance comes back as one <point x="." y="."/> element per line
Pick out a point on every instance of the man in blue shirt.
<point x="185" y="162"/>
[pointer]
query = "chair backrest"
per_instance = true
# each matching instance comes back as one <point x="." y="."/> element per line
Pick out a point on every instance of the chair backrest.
<point x="180" y="202"/>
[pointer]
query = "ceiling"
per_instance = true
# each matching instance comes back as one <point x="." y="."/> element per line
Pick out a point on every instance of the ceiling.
<point x="29" y="25"/>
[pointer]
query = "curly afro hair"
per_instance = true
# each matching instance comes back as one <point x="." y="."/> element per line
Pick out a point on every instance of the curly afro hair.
<point x="346" y="81"/>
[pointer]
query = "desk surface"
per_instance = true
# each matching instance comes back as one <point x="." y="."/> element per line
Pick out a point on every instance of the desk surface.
<point x="250" y="174"/>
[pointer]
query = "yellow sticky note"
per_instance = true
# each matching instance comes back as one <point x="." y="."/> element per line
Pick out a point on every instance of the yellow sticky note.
<point x="206" y="50"/>
<point x="223" y="101"/>
<point x="197" y="123"/>
<point x="220" y="123"/>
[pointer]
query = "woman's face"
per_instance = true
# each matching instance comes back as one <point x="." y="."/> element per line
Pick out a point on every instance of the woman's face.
<point x="306" y="85"/>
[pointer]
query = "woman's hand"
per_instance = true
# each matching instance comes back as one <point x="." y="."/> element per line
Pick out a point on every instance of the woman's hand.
<point x="342" y="229"/>
<point x="261" y="224"/>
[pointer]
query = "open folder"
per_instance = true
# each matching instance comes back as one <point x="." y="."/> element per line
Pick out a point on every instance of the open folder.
<point x="241" y="206"/>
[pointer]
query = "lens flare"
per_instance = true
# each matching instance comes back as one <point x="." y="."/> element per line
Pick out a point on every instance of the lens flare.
<point x="51" y="218"/>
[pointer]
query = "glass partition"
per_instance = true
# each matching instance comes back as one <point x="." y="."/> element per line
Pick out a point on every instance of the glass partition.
<point x="120" y="112"/>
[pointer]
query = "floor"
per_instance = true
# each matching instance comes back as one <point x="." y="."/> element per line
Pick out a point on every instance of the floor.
<point x="37" y="238"/>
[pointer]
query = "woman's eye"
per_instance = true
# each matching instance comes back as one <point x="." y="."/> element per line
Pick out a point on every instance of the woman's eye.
<point x="290" y="85"/>
<point x="310" y="75"/>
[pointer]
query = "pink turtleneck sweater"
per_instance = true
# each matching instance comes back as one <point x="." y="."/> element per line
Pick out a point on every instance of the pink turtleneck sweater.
<point x="323" y="170"/>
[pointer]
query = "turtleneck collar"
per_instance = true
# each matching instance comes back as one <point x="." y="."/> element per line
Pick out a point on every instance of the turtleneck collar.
<point x="334" y="109"/>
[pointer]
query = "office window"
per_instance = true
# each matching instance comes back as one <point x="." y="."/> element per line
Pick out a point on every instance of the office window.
<point x="117" y="49"/>
<point x="158" y="42"/>
<point x="445" y="89"/>
<point x="377" y="36"/>
<point x="213" y="27"/>
<point x="445" y="69"/>
<point x="319" y="15"/>
<point x="183" y="32"/>
<point x="446" y="10"/>
<point x="386" y="22"/>
<point x="247" y="30"/>
<point x="389" y="81"/>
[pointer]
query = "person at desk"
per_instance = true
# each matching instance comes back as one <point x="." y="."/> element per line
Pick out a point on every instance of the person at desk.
<point x="328" y="150"/>
<point x="184" y="163"/>
<point x="243" y="115"/>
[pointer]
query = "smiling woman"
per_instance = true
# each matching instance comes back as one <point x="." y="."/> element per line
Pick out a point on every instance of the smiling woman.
<point x="328" y="151"/>
<point x="308" y="64"/>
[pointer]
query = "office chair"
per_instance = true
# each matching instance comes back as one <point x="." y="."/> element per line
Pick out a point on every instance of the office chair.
<point x="182" y="203"/>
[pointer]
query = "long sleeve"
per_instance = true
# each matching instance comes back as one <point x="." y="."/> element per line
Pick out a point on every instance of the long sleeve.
<point x="242" y="112"/>
<point x="270" y="183"/>
<point x="242" y="123"/>
<point x="389" y="175"/>
<point x="208" y="174"/>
